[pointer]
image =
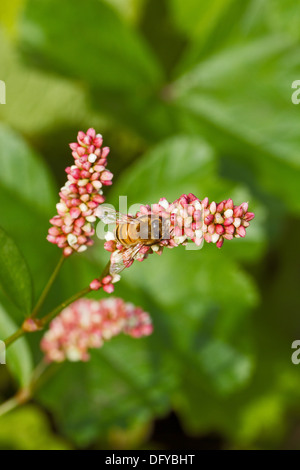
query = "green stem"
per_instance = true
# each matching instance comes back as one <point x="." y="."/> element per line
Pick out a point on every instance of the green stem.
<point x="47" y="318"/>
<point x="25" y="394"/>
<point x="9" y="405"/>
<point x="47" y="288"/>
<point x="105" y="271"/>
<point x="20" y="332"/>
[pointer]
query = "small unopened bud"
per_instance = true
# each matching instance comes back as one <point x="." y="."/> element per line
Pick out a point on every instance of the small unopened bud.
<point x="32" y="324"/>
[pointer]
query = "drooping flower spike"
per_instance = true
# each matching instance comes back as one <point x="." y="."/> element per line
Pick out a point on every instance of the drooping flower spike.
<point x="188" y="218"/>
<point x="87" y="324"/>
<point x="73" y="227"/>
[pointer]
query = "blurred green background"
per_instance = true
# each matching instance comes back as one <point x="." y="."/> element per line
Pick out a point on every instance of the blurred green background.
<point x="191" y="96"/>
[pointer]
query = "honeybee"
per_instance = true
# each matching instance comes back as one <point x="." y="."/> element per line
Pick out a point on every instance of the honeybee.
<point x="133" y="233"/>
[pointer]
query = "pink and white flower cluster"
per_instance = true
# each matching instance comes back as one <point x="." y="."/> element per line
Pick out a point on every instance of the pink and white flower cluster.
<point x="73" y="228"/>
<point x="225" y="221"/>
<point x="188" y="218"/>
<point x="87" y="324"/>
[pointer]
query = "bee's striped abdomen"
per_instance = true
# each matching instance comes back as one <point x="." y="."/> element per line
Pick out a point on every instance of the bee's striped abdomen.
<point x="147" y="230"/>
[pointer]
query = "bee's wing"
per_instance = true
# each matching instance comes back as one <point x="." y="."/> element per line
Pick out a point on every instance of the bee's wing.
<point x="121" y="260"/>
<point x="109" y="216"/>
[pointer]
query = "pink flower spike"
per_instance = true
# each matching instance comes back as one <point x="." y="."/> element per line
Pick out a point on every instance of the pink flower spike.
<point x="80" y="198"/>
<point x="87" y="324"/>
<point x="188" y="218"/>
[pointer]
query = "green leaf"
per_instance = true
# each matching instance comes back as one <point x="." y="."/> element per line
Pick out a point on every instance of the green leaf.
<point x="28" y="428"/>
<point x="37" y="102"/>
<point x="131" y="10"/>
<point x="18" y="355"/>
<point x="23" y="173"/>
<point x="97" y="47"/>
<point x="197" y="19"/>
<point x="28" y="197"/>
<point x="126" y="383"/>
<point x="215" y="287"/>
<point x="109" y="57"/>
<point x="10" y="9"/>
<point x="226" y="367"/>
<point x="176" y="166"/>
<point x="15" y="279"/>
<point x="210" y="26"/>
<point x="236" y="95"/>
<point x="281" y="15"/>
<point x="217" y="358"/>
